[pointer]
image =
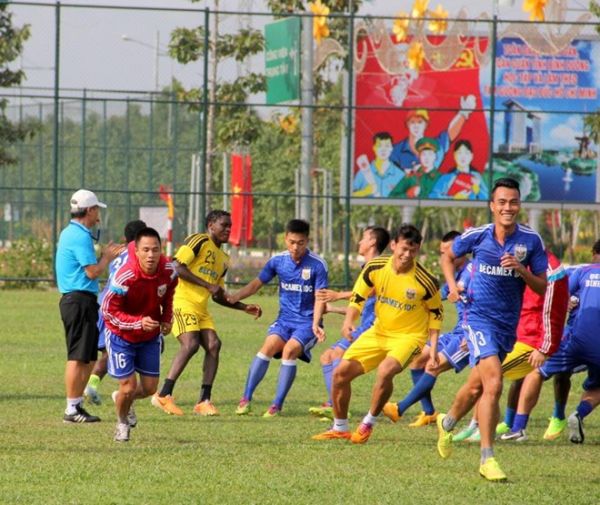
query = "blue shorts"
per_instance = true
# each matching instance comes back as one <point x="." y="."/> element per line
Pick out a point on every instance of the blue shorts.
<point x="485" y="341"/>
<point x="125" y="358"/>
<point x="302" y="333"/>
<point x="101" y="333"/>
<point x="568" y="359"/>
<point x="343" y="343"/>
<point x="449" y="346"/>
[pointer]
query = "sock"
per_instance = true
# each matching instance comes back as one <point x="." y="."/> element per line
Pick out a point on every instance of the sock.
<point x="94" y="381"/>
<point x="584" y="408"/>
<point x="287" y="374"/>
<point x="167" y="388"/>
<point x="559" y="410"/>
<point x="72" y="404"/>
<point x="448" y="423"/>
<point x="369" y="419"/>
<point x="335" y="363"/>
<point x="340" y="425"/>
<point x="474" y="423"/>
<point x="509" y="417"/>
<point x="327" y="373"/>
<point x="256" y="372"/>
<point x="422" y="387"/>
<point x="415" y="374"/>
<point x="205" y="392"/>
<point x="486" y="453"/>
<point x="520" y="422"/>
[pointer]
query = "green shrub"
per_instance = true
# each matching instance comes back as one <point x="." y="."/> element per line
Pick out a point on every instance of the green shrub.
<point x="29" y="258"/>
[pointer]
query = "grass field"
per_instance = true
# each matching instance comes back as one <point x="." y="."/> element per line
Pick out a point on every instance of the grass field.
<point x="248" y="460"/>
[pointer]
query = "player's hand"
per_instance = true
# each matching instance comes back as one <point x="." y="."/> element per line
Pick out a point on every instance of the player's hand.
<point x="232" y="298"/>
<point x="454" y="295"/>
<point x="165" y="328"/>
<point x="326" y="295"/>
<point x="537" y="359"/>
<point x="434" y="361"/>
<point x="509" y="261"/>
<point x="112" y="250"/>
<point x="467" y="105"/>
<point x="347" y="332"/>
<point x="319" y="332"/>
<point x="149" y="324"/>
<point x="573" y="302"/>
<point x="253" y="310"/>
<point x="463" y="345"/>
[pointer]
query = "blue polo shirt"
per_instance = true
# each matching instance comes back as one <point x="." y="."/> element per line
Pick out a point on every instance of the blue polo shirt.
<point x="75" y="251"/>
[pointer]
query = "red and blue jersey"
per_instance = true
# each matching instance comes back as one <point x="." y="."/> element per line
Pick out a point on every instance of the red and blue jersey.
<point x="298" y="283"/>
<point x="496" y="293"/>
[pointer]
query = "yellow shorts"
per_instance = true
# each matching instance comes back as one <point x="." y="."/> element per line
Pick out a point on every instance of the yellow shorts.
<point x="188" y="318"/>
<point x="372" y="348"/>
<point x="516" y="365"/>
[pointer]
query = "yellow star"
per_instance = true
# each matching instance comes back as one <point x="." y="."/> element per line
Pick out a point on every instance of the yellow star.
<point x="535" y="9"/>
<point x="438" y="24"/>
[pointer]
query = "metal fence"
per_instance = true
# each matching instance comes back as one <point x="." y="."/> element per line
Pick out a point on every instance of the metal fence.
<point x="124" y="143"/>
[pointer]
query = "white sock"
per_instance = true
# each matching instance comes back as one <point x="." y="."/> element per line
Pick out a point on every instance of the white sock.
<point x="369" y="419"/>
<point x="341" y="425"/>
<point x="473" y="423"/>
<point x="72" y="405"/>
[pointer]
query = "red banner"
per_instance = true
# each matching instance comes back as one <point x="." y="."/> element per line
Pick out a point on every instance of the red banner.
<point x="242" y="203"/>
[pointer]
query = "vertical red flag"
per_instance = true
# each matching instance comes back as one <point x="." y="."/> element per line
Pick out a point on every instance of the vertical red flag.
<point x="248" y="201"/>
<point x="237" y="200"/>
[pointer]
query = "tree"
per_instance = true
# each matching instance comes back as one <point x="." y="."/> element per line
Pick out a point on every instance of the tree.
<point x="11" y="46"/>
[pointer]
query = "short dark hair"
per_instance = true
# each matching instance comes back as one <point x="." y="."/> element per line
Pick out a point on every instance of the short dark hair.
<point x="382" y="237"/>
<point x="215" y="215"/>
<point x="506" y="182"/>
<point x="409" y="233"/>
<point x="383" y="136"/>
<point x="451" y="235"/>
<point x="463" y="142"/>
<point x="297" y="226"/>
<point x="79" y="213"/>
<point x="132" y="228"/>
<point x="146" y="232"/>
<point x="596" y="247"/>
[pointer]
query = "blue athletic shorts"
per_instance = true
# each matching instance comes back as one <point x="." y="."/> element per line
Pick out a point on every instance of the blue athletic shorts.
<point x="102" y="333"/>
<point x="449" y="346"/>
<point x="125" y="358"/>
<point x="302" y="333"/>
<point x="566" y="359"/>
<point x="485" y="341"/>
<point x="343" y="343"/>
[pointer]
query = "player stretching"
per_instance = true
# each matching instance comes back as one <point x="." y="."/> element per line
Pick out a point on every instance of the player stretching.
<point x="501" y="251"/>
<point x="408" y="309"/>
<point x="137" y="308"/>
<point x="373" y="242"/>
<point x="201" y="266"/>
<point x="301" y="273"/>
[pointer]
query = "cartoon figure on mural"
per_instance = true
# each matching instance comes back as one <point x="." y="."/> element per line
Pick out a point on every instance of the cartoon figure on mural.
<point x="379" y="177"/>
<point x="419" y="182"/>
<point x="464" y="182"/>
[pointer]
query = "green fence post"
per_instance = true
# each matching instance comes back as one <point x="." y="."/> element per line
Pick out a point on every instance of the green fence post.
<point x="203" y="153"/>
<point x="55" y="128"/>
<point x="492" y="106"/>
<point x="82" y="147"/>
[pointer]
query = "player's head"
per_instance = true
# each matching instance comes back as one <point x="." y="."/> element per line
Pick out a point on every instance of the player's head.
<point x="296" y="238"/>
<point x="383" y="144"/>
<point x="463" y="155"/>
<point x="373" y="237"/>
<point x="132" y="228"/>
<point x="416" y="121"/>
<point x="405" y="245"/>
<point x="447" y="239"/>
<point x="506" y="202"/>
<point x="218" y="226"/>
<point x="596" y="252"/>
<point x="427" y="148"/>
<point x="147" y="249"/>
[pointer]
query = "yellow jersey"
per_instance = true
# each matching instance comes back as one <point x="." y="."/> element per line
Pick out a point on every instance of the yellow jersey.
<point x="206" y="261"/>
<point x="406" y="303"/>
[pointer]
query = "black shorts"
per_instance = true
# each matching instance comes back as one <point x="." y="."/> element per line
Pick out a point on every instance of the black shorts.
<point x="79" y="313"/>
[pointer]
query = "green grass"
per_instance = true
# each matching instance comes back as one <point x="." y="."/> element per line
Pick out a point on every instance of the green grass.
<point x="247" y="460"/>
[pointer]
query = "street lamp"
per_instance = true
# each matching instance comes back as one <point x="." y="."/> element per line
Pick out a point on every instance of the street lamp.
<point x="157" y="54"/>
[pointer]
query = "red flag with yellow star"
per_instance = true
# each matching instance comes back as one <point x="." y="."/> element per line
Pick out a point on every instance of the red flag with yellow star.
<point x="242" y="204"/>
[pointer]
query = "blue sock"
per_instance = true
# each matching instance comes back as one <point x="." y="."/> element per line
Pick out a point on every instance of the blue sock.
<point x="287" y="374"/>
<point x="335" y="363"/>
<point x="415" y="374"/>
<point x="584" y="408"/>
<point x="426" y="402"/>
<point x="256" y="373"/>
<point x="519" y="422"/>
<point x="327" y="373"/>
<point x="559" y="410"/>
<point x="509" y="417"/>
<point x="422" y="388"/>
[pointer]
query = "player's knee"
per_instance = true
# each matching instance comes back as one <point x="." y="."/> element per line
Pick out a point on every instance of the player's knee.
<point x="127" y="390"/>
<point x="340" y="375"/>
<point x="190" y="347"/>
<point x="214" y="346"/>
<point x="325" y="358"/>
<point x="493" y="387"/>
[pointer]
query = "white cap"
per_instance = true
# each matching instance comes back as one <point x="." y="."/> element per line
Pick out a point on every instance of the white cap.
<point x="84" y="199"/>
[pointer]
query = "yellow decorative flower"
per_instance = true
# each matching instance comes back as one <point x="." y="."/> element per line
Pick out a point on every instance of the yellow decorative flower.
<point x="320" y="28"/>
<point x="415" y="56"/>
<point x="419" y="8"/>
<point x="438" y="24"/>
<point x="400" y="27"/>
<point x="288" y="123"/>
<point x="535" y="9"/>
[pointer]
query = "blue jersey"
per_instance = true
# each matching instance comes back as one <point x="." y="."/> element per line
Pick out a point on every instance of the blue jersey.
<point x="568" y="330"/>
<point x="113" y="266"/>
<point x="463" y="280"/>
<point x="585" y="284"/>
<point x="496" y="293"/>
<point x="367" y="316"/>
<point x="298" y="283"/>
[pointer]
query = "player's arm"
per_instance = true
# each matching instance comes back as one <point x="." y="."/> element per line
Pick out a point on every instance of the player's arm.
<point x="352" y="313"/>
<point x="166" y="318"/>
<point x="227" y="300"/>
<point x="111" y="251"/>
<point x="330" y="295"/>
<point x="184" y="273"/>
<point x="113" y="309"/>
<point x="449" y="270"/>
<point x="318" y="312"/>
<point x="248" y="290"/>
<point x="537" y="282"/>
<point x="435" y="310"/>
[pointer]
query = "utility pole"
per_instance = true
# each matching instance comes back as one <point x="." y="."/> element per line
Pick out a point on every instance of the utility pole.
<point x="307" y="100"/>
<point x="212" y="98"/>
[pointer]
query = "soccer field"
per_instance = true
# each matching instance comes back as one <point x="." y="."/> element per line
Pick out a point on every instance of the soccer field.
<point x="228" y="459"/>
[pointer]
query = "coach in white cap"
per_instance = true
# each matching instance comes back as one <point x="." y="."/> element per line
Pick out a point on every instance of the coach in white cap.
<point x="77" y="271"/>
